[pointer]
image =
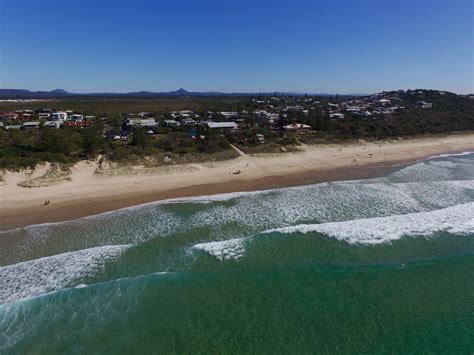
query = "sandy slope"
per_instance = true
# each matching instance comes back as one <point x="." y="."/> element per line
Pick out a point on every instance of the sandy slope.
<point x="83" y="185"/>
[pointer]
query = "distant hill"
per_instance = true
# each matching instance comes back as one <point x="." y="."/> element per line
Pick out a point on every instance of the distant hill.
<point x="60" y="93"/>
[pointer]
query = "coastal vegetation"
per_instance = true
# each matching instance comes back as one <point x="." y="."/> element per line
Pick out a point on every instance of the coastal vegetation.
<point x="263" y="124"/>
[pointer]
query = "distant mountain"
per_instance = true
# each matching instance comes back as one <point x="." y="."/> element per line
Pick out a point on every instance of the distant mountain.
<point x="27" y="94"/>
<point x="60" y="93"/>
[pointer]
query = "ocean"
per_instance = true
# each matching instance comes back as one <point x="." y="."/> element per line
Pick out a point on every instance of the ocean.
<point x="368" y="266"/>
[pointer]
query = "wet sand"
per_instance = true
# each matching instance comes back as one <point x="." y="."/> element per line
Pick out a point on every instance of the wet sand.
<point x="86" y="207"/>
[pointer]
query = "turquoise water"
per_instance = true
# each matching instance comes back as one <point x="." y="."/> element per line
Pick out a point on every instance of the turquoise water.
<point x="374" y="266"/>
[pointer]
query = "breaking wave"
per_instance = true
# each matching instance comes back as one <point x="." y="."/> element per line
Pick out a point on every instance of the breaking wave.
<point x="455" y="220"/>
<point x="35" y="277"/>
<point x="223" y="250"/>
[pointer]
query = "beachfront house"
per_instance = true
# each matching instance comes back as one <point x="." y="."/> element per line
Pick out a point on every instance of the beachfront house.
<point x="145" y="122"/>
<point x="45" y="115"/>
<point x="230" y="115"/>
<point x="352" y="109"/>
<point x="9" y="116"/>
<point x="297" y="127"/>
<point x="52" y="124"/>
<point x="221" y="125"/>
<point x="58" y="116"/>
<point x="188" y="122"/>
<point x="30" y="125"/>
<point x="171" y="123"/>
<point x="76" y="118"/>
<point x="336" y="115"/>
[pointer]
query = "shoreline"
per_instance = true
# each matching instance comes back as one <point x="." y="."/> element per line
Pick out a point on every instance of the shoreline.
<point x="315" y="164"/>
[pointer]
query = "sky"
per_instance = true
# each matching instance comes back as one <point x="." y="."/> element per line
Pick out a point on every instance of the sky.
<point x="330" y="46"/>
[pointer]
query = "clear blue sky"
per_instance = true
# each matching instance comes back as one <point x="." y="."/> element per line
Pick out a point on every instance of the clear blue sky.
<point x="335" y="46"/>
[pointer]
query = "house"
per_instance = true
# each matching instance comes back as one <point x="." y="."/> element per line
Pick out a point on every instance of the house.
<point x="230" y="115"/>
<point x="331" y="105"/>
<point x="336" y="115"/>
<point x="13" y="126"/>
<point x="144" y="114"/>
<point x="364" y="114"/>
<point x="187" y="113"/>
<point x="9" y="116"/>
<point x="146" y="122"/>
<point x="52" y="124"/>
<point x="352" y="109"/>
<point x="273" y="118"/>
<point x="171" y="123"/>
<point x="76" y="118"/>
<point x="188" y="122"/>
<point x="424" y="104"/>
<point x="44" y="115"/>
<point x="297" y="127"/>
<point x="59" y="116"/>
<point x="30" y="125"/>
<point x="222" y="125"/>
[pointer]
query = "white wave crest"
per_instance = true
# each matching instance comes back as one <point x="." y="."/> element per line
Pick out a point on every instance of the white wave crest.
<point x="447" y="155"/>
<point x="457" y="219"/>
<point x="223" y="250"/>
<point x="35" y="277"/>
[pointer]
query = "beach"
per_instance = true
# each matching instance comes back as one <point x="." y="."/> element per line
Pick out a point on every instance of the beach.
<point x="88" y="190"/>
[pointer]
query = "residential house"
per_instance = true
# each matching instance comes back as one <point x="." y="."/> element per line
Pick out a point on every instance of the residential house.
<point x="222" y="125"/>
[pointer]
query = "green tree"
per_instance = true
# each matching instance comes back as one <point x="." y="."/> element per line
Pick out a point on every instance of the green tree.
<point x="139" y="137"/>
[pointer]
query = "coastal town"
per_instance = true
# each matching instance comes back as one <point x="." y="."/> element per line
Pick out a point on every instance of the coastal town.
<point x="66" y="131"/>
<point x="268" y="112"/>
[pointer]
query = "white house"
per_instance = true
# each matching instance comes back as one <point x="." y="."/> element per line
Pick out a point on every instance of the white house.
<point x="146" y="122"/>
<point x="58" y="116"/>
<point x="30" y="125"/>
<point x="297" y="127"/>
<point x="222" y="125"/>
<point x="336" y="115"/>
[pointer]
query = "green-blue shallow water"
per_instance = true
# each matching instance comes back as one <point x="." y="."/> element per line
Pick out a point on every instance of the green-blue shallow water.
<point x="373" y="266"/>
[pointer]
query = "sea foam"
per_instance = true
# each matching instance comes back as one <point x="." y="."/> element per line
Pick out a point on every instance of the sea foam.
<point x="223" y="250"/>
<point x="456" y="220"/>
<point x="35" y="277"/>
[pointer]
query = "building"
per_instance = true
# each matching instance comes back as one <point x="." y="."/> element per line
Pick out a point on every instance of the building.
<point x="9" y="116"/>
<point x="146" y="122"/>
<point x="52" y="124"/>
<point x="76" y="118"/>
<point x="58" y="116"/>
<point x="30" y="125"/>
<point x="222" y="125"/>
<point x="424" y="104"/>
<point x="188" y="122"/>
<point x="171" y="123"/>
<point x="230" y="115"/>
<point x="297" y="127"/>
